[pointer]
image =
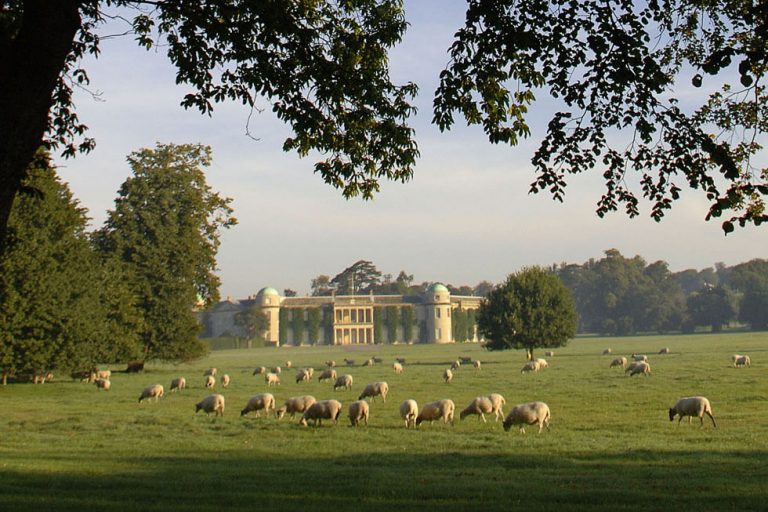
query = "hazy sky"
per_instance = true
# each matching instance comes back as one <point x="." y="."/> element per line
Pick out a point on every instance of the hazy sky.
<point x="465" y="217"/>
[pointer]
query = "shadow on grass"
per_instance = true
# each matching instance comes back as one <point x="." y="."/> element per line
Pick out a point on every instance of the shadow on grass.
<point x="636" y="480"/>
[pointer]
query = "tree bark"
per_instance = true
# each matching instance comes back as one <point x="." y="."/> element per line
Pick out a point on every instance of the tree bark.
<point x="31" y="61"/>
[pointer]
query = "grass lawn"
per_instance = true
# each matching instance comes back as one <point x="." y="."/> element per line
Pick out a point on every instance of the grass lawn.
<point x="68" y="446"/>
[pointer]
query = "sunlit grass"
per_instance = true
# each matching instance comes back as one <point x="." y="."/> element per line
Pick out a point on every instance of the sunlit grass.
<point x="68" y="446"/>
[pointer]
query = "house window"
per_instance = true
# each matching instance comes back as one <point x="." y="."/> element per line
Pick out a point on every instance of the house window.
<point x="437" y="312"/>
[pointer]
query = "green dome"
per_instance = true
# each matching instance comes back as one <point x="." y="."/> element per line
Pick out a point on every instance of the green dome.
<point x="438" y="288"/>
<point x="268" y="291"/>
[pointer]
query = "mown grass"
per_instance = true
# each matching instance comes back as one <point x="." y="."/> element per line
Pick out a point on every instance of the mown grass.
<point x="68" y="446"/>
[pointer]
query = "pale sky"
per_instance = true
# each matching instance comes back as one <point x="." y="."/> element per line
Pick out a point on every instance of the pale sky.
<point x="465" y="217"/>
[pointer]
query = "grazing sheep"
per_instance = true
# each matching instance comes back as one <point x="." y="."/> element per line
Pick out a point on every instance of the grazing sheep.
<point x="330" y="364"/>
<point x="319" y="411"/>
<point x="377" y="360"/>
<point x="739" y="360"/>
<point x="640" y="357"/>
<point x="375" y="389"/>
<point x="42" y="378"/>
<point x="155" y="391"/>
<point x="343" y="381"/>
<point x="530" y="366"/>
<point x="638" y="367"/>
<point x="81" y="375"/>
<point x="400" y="360"/>
<point x="225" y="380"/>
<point x="210" y="382"/>
<point x="302" y="376"/>
<point x="408" y="411"/>
<point x="178" y="384"/>
<point x="329" y="374"/>
<point x="369" y="362"/>
<point x="103" y="374"/>
<point x="359" y="411"/>
<point x="210" y="371"/>
<point x="397" y="367"/>
<point x="102" y="384"/>
<point x="498" y="402"/>
<point x="465" y="359"/>
<point x="607" y="351"/>
<point x="349" y="362"/>
<point x="455" y="365"/>
<point x="692" y="406"/>
<point x="549" y="353"/>
<point x="619" y="361"/>
<point x="480" y="405"/>
<point x="665" y="350"/>
<point x="288" y="364"/>
<point x="435" y="410"/>
<point x="259" y="370"/>
<point x="447" y="375"/>
<point x="477" y="365"/>
<point x="265" y="401"/>
<point x="528" y="414"/>
<point x="310" y="371"/>
<point x="211" y="404"/>
<point x="542" y="363"/>
<point x="272" y="379"/>
<point x="276" y="370"/>
<point x="295" y="404"/>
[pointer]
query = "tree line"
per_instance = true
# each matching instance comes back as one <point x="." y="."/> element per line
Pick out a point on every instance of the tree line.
<point x="71" y="297"/>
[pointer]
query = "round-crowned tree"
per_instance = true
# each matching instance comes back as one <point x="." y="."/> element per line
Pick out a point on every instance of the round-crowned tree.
<point x="531" y="309"/>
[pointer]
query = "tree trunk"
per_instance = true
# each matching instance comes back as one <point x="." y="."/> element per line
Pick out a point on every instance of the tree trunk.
<point x="529" y="353"/>
<point x="31" y="61"/>
<point x="5" y="376"/>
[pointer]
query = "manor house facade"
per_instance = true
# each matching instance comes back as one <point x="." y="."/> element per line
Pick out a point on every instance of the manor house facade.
<point x="351" y="319"/>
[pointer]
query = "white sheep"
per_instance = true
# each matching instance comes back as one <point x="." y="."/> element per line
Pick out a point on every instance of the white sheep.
<point x="447" y="375"/>
<point x="262" y="401"/>
<point x="259" y="370"/>
<point x="155" y="391"/>
<point x="276" y="370"/>
<point x="288" y="364"/>
<point x="480" y="405"/>
<point x="549" y="353"/>
<point x="369" y="362"/>
<point x="104" y="384"/>
<point x="319" y="411"/>
<point x="211" y="404"/>
<point x="178" y="384"/>
<point x="272" y="379"/>
<point x="103" y="374"/>
<point x="739" y="360"/>
<point x="477" y="365"/>
<point x="619" y="361"/>
<point x="409" y="409"/>
<point x="359" y="411"/>
<point x="455" y="365"/>
<point x="638" y="367"/>
<point x="692" y="406"/>
<point x="330" y="364"/>
<point x="225" y="380"/>
<point x="436" y="410"/>
<point x="640" y="357"/>
<point x="375" y="389"/>
<point x="665" y="350"/>
<point x="302" y="376"/>
<point x="498" y="402"/>
<point x="329" y="374"/>
<point x="309" y="371"/>
<point x="343" y="381"/>
<point x="210" y="382"/>
<point x="528" y="414"/>
<point x="295" y="404"/>
<point x="210" y="371"/>
<point x="530" y="366"/>
<point x="607" y="351"/>
<point x="542" y="363"/>
<point x="397" y="367"/>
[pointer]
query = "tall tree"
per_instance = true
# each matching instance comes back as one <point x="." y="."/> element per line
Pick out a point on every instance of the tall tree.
<point x="361" y="277"/>
<point x="165" y="227"/>
<point x="531" y="309"/>
<point x="713" y="306"/>
<point x="321" y="286"/>
<point x="751" y="279"/>
<point x="60" y="305"/>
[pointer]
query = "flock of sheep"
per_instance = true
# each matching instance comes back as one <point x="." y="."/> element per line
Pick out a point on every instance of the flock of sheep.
<point x="311" y="410"/>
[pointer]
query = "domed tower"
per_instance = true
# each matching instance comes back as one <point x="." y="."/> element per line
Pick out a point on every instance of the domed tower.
<point x="438" y="312"/>
<point x="269" y="300"/>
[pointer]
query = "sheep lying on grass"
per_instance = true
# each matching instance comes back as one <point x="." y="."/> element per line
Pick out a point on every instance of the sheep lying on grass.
<point x="262" y="401"/>
<point x="692" y="406"/>
<point x="619" y="361"/>
<point x="637" y="368"/>
<point x="528" y="414"/>
<point x="211" y="404"/>
<point x="155" y="391"/>
<point x="375" y="389"/>
<point x="295" y="404"/>
<point x="178" y="384"/>
<point x="480" y="405"/>
<point x="359" y="411"/>
<point x="409" y="409"/>
<point x="343" y="381"/>
<point x="436" y="410"/>
<point x="319" y="411"/>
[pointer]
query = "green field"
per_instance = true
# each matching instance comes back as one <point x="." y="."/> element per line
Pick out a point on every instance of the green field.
<point x="68" y="446"/>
